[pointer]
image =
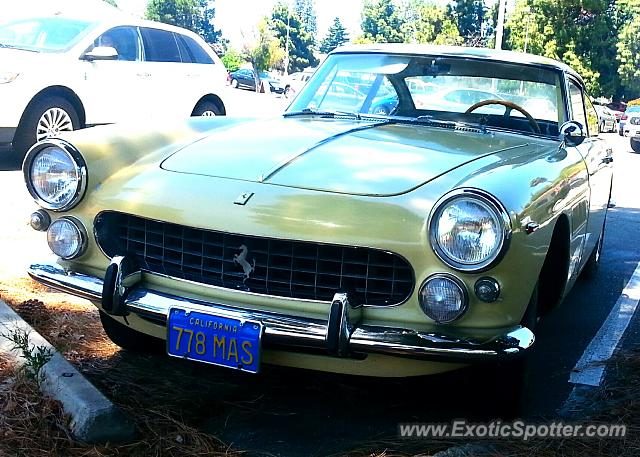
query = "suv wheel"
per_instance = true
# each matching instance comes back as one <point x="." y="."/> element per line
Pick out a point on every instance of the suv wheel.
<point x="234" y="83"/>
<point x="635" y="145"/>
<point x="45" y="118"/>
<point x="206" y="109"/>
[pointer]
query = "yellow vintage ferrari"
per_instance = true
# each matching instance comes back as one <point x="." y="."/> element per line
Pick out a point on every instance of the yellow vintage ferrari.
<point x="416" y="209"/>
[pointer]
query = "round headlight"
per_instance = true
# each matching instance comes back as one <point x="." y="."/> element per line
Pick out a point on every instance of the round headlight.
<point x="66" y="238"/>
<point x="468" y="231"/>
<point x="443" y="298"/>
<point x="55" y="175"/>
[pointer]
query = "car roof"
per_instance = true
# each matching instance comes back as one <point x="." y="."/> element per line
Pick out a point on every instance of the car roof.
<point x="460" y="51"/>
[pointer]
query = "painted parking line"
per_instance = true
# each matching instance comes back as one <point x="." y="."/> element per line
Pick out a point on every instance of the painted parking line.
<point x="590" y="368"/>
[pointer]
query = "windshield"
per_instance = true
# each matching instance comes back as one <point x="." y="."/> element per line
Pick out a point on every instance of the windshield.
<point x="440" y="87"/>
<point x="45" y="34"/>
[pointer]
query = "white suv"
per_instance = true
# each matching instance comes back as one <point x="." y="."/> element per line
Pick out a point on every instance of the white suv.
<point x="61" y="73"/>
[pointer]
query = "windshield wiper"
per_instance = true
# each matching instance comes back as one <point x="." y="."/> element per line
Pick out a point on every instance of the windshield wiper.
<point x="435" y="122"/>
<point x="331" y="114"/>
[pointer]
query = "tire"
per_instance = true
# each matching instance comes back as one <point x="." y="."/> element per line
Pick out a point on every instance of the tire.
<point x="620" y="132"/>
<point x="207" y="109"/>
<point x="55" y="112"/>
<point x="129" y="339"/>
<point x="635" y="145"/>
<point x="287" y="92"/>
<point x="234" y="83"/>
<point x="381" y="111"/>
<point x="601" y="128"/>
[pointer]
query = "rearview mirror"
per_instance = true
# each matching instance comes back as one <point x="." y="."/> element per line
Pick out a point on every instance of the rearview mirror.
<point x="572" y="132"/>
<point x="101" y="53"/>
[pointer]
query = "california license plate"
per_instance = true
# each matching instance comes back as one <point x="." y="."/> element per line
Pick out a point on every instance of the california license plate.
<point x="214" y="339"/>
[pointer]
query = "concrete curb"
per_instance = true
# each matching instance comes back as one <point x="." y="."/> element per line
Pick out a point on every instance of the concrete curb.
<point x="94" y="419"/>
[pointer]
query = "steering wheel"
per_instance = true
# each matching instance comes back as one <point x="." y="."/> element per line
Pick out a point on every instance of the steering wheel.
<point x="510" y="106"/>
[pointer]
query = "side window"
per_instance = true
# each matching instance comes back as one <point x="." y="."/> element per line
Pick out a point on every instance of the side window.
<point x="592" y="118"/>
<point x="159" y="46"/>
<point x="185" y="54"/>
<point x="198" y="55"/>
<point x="123" y="39"/>
<point x="577" y="104"/>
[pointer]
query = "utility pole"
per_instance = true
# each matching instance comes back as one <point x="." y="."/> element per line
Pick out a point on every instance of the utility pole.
<point x="286" y="45"/>
<point x="500" y="26"/>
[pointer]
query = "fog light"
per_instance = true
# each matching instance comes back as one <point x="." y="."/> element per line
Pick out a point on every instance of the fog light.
<point x="67" y="238"/>
<point x="487" y="289"/>
<point x="40" y="221"/>
<point x="443" y="298"/>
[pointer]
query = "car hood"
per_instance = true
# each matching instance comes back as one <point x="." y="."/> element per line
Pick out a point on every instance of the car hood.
<point x="332" y="155"/>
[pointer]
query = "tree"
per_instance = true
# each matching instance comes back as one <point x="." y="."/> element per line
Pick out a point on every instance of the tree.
<point x="112" y="3"/>
<point x="435" y="26"/>
<point x="582" y="34"/>
<point x="470" y="16"/>
<point x="301" y="45"/>
<point x="336" y="36"/>
<point x="305" y="9"/>
<point x="628" y="52"/>
<point x="195" y="15"/>
<point x="232" y="59"/>
<point x="382" y="22"/>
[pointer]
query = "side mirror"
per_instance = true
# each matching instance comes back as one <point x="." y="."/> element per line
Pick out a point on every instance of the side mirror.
<point x="573" y="133"/>
<point x="101" y="53"/>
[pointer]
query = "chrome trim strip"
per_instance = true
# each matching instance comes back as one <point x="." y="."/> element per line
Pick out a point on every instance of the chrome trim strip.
<point x="77" y="159"/>
<point x="296" y="331"/>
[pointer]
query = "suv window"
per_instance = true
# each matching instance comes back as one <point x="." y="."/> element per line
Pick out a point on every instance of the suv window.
<point x="123" y="39"/>
<point x="592" y="118"/>
<point x="159" y="46"/>
<point x="577" y="104"/>
<point x="198" y="55"/>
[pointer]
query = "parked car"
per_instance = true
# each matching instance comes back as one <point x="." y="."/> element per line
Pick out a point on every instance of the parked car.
<point x="606" y="119"/>
<point x="295" y="81"/>
<point x="632" y="128"/>
<point x="246" y="79"/>
<point x="383" y="245"/>
<point x="625" y="117"/>
<point x="62" y="73"/>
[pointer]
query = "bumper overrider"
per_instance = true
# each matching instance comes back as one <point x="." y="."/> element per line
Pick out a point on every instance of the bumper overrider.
<point x="340" y="335"/>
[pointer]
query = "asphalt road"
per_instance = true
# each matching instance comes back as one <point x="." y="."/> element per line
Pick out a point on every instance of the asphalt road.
<point x="293" y="412"/>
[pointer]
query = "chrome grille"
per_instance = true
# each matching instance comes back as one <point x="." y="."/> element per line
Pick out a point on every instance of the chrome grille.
<point x="283" y="268"/>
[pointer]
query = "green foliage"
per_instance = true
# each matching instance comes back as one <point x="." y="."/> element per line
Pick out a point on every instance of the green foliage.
<point x="112" y="2"/>
<point x="265" y="53"/>
<point x="301" y="43"/>
<point x="195" y="15"/>
<point x="382" y="22"/>
<point x="472" y="19"/>
<point x="232" y="59"/>
<point x="35" y="357"/>
<point x="435" y="26"/>
<point x="628" y="56"/>
<point x="336" y="36"/>
<point x="582" y="34"/>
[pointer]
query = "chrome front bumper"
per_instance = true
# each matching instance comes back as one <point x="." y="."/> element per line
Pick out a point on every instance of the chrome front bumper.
<point x="340" y="334"/>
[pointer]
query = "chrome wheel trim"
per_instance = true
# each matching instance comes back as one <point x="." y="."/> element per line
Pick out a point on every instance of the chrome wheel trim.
<point x="208" y="113"/>
<point x="52" y="122"/>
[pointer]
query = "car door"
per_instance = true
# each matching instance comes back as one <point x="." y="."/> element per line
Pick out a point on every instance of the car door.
<point x="112" y="90"/>
<point x="597" y="157"/>
<point x="167" y="84"/>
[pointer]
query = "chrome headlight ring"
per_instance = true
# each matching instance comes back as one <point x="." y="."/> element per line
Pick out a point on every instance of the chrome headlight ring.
<point x="486" y="201"/>
<point x="79" y="168"/>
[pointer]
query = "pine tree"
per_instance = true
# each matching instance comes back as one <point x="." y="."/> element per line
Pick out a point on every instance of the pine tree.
<point x="336" y="36"/>
<point x="305" y="9"/>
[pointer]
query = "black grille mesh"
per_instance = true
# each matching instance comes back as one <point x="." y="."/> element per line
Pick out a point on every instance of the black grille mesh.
<point x="294" y="269"/>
